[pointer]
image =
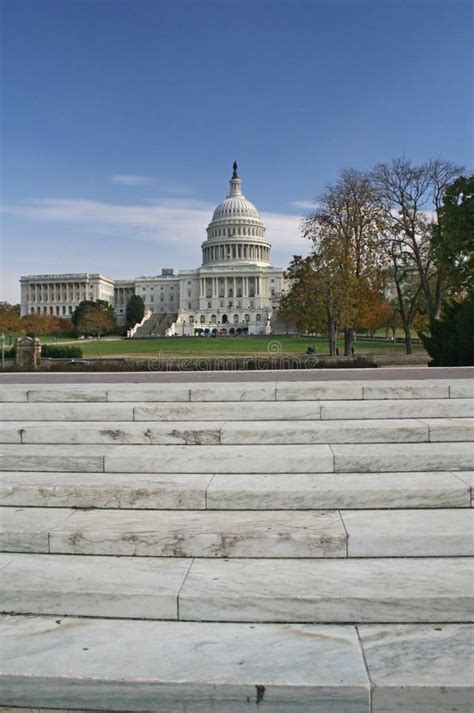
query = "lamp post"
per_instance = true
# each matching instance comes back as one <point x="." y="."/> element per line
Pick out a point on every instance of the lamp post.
<point x="3" y="350"/>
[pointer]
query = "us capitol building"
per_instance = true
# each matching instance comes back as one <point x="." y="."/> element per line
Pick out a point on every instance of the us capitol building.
<point x="236" y="289"/>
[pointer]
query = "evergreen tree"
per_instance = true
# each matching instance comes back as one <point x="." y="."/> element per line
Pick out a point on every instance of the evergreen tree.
<point x="135" y="310"/>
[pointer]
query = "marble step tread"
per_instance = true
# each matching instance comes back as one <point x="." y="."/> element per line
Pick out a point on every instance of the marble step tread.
<point x="467" y="477"/>
<point x="267" y="534"/>
<point x="319" y="458"/>
<point x="168" y="533"/>
<point x="242" y="391"/>
<point x="122" y="587"/>
<point x="235" y="491"/>
<point x="245" y="590"/>
<point x="236" y="432"/>
<point x="332" y="591"/>
<point x="210" y="667"/>
<point x="177" y="666"/>
<point x="397" y="408"/>
<point x="240" y="411"/>
<point x="419" y="668"/>
<point x="409" y="533"/>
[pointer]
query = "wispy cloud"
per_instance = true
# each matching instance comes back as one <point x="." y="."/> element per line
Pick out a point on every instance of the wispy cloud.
<point x="127" y="179"/>
<point x="158" y="184"/>
<point x="304" y="205"/>
<point x="177" y="221"/>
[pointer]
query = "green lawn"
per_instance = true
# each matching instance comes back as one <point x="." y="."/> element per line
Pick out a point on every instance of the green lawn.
<point x="228" y="346"/>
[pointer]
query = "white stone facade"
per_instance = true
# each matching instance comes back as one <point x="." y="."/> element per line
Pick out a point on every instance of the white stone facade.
<point x="236" y="289"/>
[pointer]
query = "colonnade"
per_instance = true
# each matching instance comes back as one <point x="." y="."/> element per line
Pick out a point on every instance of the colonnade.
<point x="236" y="251"/>
<point x="230" y="287"/>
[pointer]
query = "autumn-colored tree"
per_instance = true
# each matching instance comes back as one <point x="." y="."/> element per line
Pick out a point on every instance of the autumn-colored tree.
<point x="345" y="231"/>
<point x="375" y="313"/>
<point x="48" y="324"/>
<point x="10" y="320"/>
<point x="94" y="318"/>
<point x="302" y="305"/>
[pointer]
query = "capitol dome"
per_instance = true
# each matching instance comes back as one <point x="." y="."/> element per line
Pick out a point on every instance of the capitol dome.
<point x="235" y="205"/>
<point x="236" y="233"/>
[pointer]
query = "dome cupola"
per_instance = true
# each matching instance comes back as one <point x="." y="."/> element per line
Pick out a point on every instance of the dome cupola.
<point x="236" y="233"/>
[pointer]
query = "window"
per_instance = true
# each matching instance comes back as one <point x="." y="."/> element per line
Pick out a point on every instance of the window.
<point x="202" y="319"/>
<point x="190" y="306"/>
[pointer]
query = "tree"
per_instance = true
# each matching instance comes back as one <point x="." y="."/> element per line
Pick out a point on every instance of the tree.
<point x="37" y="324"/>
<point x="301" y="304"/>
<point x="345" y="231"/>
<point x="454" y="241"/>
<point x="411" y="198"/>
<point x="452" y="336"/>
<point x="94" y="318"/>
<point x="10" y="320"/>
<point x="135" y="310"/>
<point x="375" y="313"/>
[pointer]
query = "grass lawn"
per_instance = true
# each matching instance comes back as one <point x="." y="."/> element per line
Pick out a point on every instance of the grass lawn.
<point x="227" y="346"/>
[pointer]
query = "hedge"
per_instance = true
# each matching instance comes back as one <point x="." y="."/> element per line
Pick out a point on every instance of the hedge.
<point x="53" y="351"/>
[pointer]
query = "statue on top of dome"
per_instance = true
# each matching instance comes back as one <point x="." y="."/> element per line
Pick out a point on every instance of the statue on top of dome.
<point x="235" y="174"/>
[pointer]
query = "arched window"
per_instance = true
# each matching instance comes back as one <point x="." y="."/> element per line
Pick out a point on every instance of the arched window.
<point x="236" y="318"/>
<point x="258" y="317"/>
<point x="202" y="319"/>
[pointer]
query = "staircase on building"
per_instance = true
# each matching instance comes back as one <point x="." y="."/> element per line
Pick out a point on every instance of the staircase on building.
<point x="156" y="325"/>
<point x="229" y="547"/>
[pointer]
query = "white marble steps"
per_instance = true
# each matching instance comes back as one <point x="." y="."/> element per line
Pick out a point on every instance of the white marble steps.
<point x="319" y="458"/>
<point x="239" y="411"/>
<point x="168" y="533"/>
<point x="211" y="667"/>
<point x="181" y="666"/>
<point x="418" y="668"/>
<point x="261" y="534"/>
<point x="328" y="591"/>
<point x="236" y="491"/>
<point x="235" y="432"/>
<point x="239" y="590"/>
<point x="250" y="391"/>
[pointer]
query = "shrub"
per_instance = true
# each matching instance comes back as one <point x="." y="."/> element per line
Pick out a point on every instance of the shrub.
<point x="452" y="337"/>
<point x="56" y="351"/>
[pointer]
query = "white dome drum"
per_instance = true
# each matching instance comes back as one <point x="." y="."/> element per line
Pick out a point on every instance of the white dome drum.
<point x="235" y="234"/>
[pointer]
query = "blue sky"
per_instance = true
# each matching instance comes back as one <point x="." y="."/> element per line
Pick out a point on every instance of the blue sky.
<point x="121" y="118"/>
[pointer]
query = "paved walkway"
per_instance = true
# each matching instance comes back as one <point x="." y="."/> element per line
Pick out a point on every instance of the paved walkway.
<point x="154" y="377"/>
